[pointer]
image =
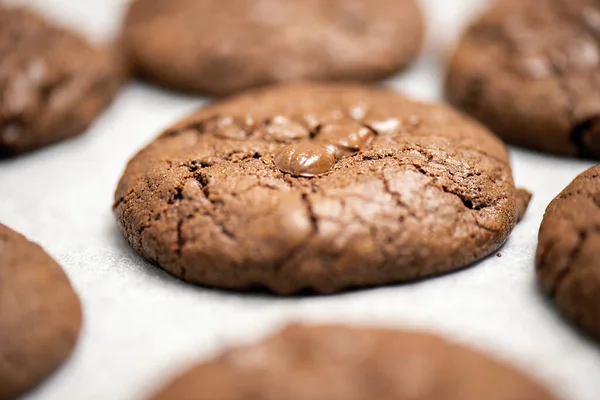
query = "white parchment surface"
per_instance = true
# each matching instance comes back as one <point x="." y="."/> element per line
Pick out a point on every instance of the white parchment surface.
<point x="142" y="326"/>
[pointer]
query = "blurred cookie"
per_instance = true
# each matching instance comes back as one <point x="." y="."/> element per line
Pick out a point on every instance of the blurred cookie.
<point x="53" y="84"/>
<point x="568" y="254"/>
<point x="40" y="315"/>
<point x="218" y="48"/>
<point x="319" y="187"/>
<point x="345" y="363"/>
<point x="530" y="70"/>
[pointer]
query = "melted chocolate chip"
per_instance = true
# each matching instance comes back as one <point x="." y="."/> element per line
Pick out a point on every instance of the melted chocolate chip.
<point x="282" y="129"/>
<point x="358" y="112"/>
<point x="313" y="121"/>
<point x="386" y="126"/>
<point x="414" y="122"/>
<point x="227" y="127"/>
<point x="304" y="159"/>
<point x="345" y="137"/>
<point x="586" y="136"/>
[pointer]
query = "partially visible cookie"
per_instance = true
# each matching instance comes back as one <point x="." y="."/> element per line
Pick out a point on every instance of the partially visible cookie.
<point x="40" y="315"/>
<point x="345" y="363"/>
<point x="568" y="253"/>
<point x="53" y="83"/>
<point x="218" y="48"/>
<point x="318" y="187"/>
<point x="530" y="70"/>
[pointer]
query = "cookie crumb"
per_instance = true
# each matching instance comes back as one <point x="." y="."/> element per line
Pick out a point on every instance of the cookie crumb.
<point x="499" y="255"/>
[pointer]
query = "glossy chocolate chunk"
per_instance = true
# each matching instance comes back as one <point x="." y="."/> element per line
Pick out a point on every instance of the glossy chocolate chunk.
<point x="344" y="137"/>
<point x="227" y="127"/>
<point x="282" y="129"/>
<point x="385" y="126"/>
<point x="304" y="159"/>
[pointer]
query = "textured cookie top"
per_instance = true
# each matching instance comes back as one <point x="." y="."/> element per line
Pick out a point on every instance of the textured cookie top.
<point x="40" y="314"/>
<point x="568" y="254"/>
<point x="531" y="71"/>
<point x="220" y="47"/>
<point x="310" y="186"/>
<point x="344" y="363"/>
<point x="52" y="82"/>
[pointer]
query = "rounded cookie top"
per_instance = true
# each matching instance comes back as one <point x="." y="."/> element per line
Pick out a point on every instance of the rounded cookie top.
<point x="568" y="253"/>
<point x="220" y="48"/>
<point x="339" y="362"/>
<point x="319" y="187"/>
<point x="53" y="83"/>
<point x="530" y="70"/>
<point x="40" y="315"/>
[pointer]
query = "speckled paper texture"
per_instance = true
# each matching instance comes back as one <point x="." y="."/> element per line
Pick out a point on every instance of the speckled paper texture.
<point x="142" y="326"/>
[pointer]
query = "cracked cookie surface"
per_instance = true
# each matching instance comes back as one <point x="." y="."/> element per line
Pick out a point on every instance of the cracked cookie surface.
<point x="218" y="48"/>
<point x="53" y="84"/>
<point x="530" y="70"/>
<point x="304" y="362"/>
<point x="568" y="253"/>
<point x="40" y="315"/>
<point x="319" y="187"/>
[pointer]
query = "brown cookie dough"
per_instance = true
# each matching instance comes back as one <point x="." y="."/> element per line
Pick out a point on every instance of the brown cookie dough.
<point x="568" y="254"/>
<point x="530" y="70"/>
<point x="53" y="84"/>
<point x="345" y="363"/>
<point x="319" y="187"/>
<point x="219" y="48"/>
<point x="40" y="315"/>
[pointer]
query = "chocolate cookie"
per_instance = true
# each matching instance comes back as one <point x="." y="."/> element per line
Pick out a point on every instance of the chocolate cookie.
<point x="40" y="315"/>
<point x="568" y="254"/>
<point x="345" y="363"/>
<point x="53" y="83"/>
<point x="530" y="70"/>
<point x="320" y="187"/>
<point x="220" y="48"/>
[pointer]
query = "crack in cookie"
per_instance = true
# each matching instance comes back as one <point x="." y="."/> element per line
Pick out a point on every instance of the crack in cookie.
<point x="318" y="187"/>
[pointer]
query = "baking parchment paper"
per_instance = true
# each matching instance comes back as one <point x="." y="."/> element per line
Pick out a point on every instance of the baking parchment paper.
<point x="142" y="326"/>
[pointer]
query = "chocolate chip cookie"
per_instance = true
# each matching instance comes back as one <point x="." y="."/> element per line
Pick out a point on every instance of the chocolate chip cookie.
<point x="218" y="48"/>
<point x="530" y="70"/>
<point x="345" y="363"/>
<point x="40" y="315"/>
<point x="319" y="187"/>
<point x="53" y="83"/>
<point x="568" y="254"/>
